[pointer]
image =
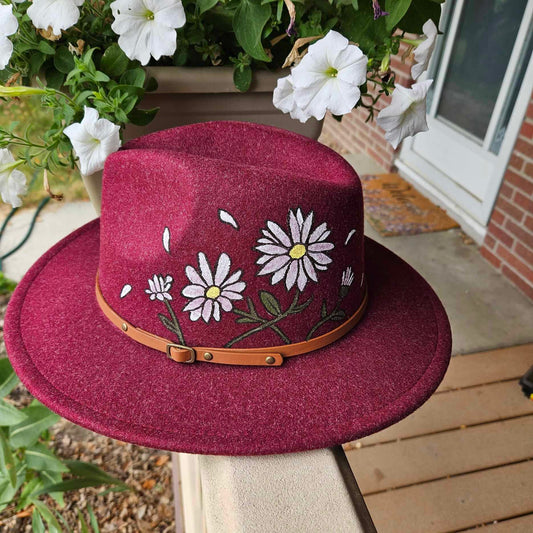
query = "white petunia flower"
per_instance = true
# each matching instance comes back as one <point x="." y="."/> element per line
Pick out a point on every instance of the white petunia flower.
<point x="210" y="293"/>
<point x="406" y="115"/>
<point x="297" y="255"/>
<point x="147" y="27"/>
<point x="12" y="181"/>
<point x="159" y="288"/>
<point x="8" y="26"/>
<point x="93" y="140"/>
<point x="327" y="78"/>
<point x="283" y="99"/>
<point x="56" y="14"/>
<point x="424" y="49"/>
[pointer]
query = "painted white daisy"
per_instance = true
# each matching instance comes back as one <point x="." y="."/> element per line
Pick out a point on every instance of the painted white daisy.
<point x="147" y="27"/>
<point x="297" y="255"/>
<point x="159" y="287"/>
<point x="208" y="292"/>
<point x="347" y="277"/>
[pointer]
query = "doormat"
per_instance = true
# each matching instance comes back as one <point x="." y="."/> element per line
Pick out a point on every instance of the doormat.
<point x="394" y="207"/>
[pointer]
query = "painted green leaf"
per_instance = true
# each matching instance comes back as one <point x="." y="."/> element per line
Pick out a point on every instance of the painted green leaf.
<point x="339" y="315"/>
<point x="10" y="415"/>
<point x="324" y="310"/>
<point x="396" y="9"/>
<point x="27" y="432"/>
<point x="114" y="61"/>
<point x="8" y="378"/>
<point x="248" y="23"/>
<point x="270" y="303"/>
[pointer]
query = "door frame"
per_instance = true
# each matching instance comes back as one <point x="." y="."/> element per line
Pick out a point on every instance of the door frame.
<point x="475" y="216"/>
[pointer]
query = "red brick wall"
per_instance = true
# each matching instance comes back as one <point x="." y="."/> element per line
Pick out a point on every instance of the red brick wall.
<point x="353" y="135"/>
<point x="508" y="244"/>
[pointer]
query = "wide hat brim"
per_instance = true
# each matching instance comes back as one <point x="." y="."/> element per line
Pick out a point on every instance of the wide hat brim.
<point x="77" y="363"/>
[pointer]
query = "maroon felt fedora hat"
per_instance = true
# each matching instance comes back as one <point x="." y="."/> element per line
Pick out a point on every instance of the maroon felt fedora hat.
<point x="227" y="302"/>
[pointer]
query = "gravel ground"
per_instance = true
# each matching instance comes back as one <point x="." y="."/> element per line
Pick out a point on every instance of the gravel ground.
<point x="148" y="507"/>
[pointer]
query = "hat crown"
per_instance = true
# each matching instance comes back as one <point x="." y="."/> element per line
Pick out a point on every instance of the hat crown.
<point x="231" y="234"/>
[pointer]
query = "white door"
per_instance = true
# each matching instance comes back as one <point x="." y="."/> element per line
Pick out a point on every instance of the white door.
<point x="483" y="80"/>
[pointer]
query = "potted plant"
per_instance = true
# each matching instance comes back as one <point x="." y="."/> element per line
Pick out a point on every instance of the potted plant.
<point x="113" y="69"/>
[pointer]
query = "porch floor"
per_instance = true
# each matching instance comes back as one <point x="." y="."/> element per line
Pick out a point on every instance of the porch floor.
<point x="463" y="461"/>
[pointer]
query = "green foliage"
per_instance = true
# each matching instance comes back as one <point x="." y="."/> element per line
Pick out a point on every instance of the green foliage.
<point x="29" y="469"/>
<point x="85" y="66"/>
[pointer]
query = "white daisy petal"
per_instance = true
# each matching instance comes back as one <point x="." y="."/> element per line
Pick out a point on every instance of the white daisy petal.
<point x="279" y="233"/>
<point x="236" y="276"/>
<point x="194" y="304"/>
<point x="166" y="240"/>
<point x="320" y="258"/>
<point x="280" y="274"/>
<point x="235" y="287"/>
<point x="216" y="311"/>
<point x="275" y="264"/>
<point x="193" y="291"/>
<point x="320" y="247"/>
<point x="271" y="249"/>
<point x="302" y="278"/>
<point x="194" y="277"/>
<point x="205" y="269"/>
<point x="125" y="290"/>
<point x="309" y="268"/>
<point x="350" y="235"/>
<point x="306" y="227"/>
<point x="223" y="267"/>
<point x="318" y="232"/>
<point x="225" y="303"/>
<point x="227" y="218"/>
<point x="292" y="273"/>
<point x="207" y="310"/>
<point x="296" y="234"/>
<point x="196" y="314"/>
<point x="231" y="295"/>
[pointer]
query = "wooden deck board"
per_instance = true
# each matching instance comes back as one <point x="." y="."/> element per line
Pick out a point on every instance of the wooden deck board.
<point x="522" y="524"/>
<point x="451" y="410"/>
<point x="431" y="457"/>
<point x="455" y="503"/>
<point x="487" y="367"/>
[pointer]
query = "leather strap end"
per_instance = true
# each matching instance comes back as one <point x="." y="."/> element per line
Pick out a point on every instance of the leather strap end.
<point x="223" y="357"/>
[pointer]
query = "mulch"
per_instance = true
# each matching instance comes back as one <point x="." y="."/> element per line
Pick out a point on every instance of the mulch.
<point x="147" y="507"/>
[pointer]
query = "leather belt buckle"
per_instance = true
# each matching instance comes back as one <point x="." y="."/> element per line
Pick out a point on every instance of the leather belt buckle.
<point x="192" y="351"/>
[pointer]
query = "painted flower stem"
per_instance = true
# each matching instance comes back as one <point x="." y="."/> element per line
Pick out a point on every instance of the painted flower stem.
<point x="273" y="327"/>
<point x="322" y="321"/>
<point x="175" y="322"/>
<point x="294" y="308"/>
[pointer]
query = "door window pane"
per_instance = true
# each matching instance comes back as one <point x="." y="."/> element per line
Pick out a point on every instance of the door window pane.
<point x="480" y="55"/>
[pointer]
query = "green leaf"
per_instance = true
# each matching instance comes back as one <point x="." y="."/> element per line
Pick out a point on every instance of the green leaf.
<point x="242" y="77"/>
<point x="53" y="525"/>
<point x="90" y="471"/>
<point x="37" y="525"/>
<point x="396" y="9"/>
<point x="63" y="60"/>
<point x="206" y="5"/>
<point x="84" y="528"/>
<point x="8" y="378"/>
<point x="418" y="13"/>
<point x="151" y="85"/>
<point x="45" y="48"/>
<point x="27" y="433"/>
<point x="324" y="310"/>
<point x="72" y="484"/>
<point x="92" y="518"/>
<point x="246" y="320"/>
<point x="363" y="29"/>
<point x="142" y="117"/>
<point x="35" y="63"/>
<point x="248" y="23"/>
<point x="135" y="76"/>
<point x="270" y="303"/>
<point x="101" y="77"/>
<point x="28" y="491"/>
<point x="54" y="79"/>
<point x="49" y="479"/>
<point x="10" y="415"/>
<point x="7" y="460"/>
<point x="114" y="61"/>
<point x="39" y="457"/>
<point x="7" y="492"/>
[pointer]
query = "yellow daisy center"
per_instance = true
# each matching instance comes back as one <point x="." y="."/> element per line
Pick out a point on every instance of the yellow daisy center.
<point x="213" y="292"/>
<point x="298" y="251"/>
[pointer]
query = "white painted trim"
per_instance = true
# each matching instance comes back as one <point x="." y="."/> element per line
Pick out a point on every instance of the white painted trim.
<point x="510" y="74"/>
<point x="470" y="226"/>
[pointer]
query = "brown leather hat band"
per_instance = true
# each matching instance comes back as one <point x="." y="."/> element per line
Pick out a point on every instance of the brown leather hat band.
<point x="270" y="356"/>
